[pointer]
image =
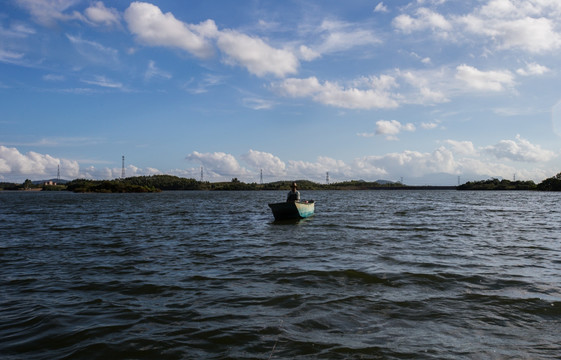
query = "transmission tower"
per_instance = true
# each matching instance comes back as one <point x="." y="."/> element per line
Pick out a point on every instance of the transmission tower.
<point x="327" y="178"/>
<point x="58" y="173"/>
<point x="261" y="177"/>
<point x="123" y="168"/>
<point x="201" y="173"/>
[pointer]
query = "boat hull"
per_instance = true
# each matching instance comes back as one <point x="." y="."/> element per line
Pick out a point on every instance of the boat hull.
<point x="292" y="210"/>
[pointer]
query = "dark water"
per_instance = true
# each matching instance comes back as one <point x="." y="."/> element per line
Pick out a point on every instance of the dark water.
<point x="208" y="275"/>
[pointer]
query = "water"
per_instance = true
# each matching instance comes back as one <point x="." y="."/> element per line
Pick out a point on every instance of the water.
<point x="193" y="275"/>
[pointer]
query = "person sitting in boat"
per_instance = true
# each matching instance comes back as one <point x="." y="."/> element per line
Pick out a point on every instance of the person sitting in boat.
<point x="293" y="194"/>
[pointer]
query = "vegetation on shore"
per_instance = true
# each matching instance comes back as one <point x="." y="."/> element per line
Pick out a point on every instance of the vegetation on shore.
<point x="549" y="184"/>
<point x="496" y="184"/>
<point x="156" y="183"/>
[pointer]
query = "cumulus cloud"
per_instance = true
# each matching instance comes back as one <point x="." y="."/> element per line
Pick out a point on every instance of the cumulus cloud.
<point x="391" y="128"/>
<point x="428" y="126"/>
<point x="381" y="8"/>
<point x="317" y="170"/>
<point x="375" y="96"/>
<point x="269" y="163"/>
<point x="425" y="19"/>
<point x="422" y="83"/>
<point x="219" y="163"/>
<point x="520" y="149"/>
<point x="530" y="34"/>
<point x="505" y="24"/>
<point x="307" y="54"/>
<point x="461" y="147"/>
<point x="255" y="55"/>
<point x="152" y="27"/>
<point x="413" y="163"/>
<point x="484" y="80"/>
<point x="106" y="173"/>
<point x="14" y="164"/>
<point x="532" y="69"/>
<point x="99" y="14"/>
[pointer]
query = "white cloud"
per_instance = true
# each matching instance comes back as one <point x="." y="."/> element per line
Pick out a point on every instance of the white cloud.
<point x="154" y="72"/>
<point x="258" y="104"/>
<point x="520" y="150"/>
<point x="219" y="163"/>
<point x="94" y="52"/>
<point x="534" y="35"/>
<point x="10" y="56"/>
<point x="99" y="14"/>
<point x="317" y="170"/>
<point x="307" y="54"/>
<point x="341" y="36"/>
<point x="255" y="55"/>
<point x="532" y="69"/>
<point x="103" y="82"/>
<point x="422" y="83"/>
<point x="53" y="77"/>
<point x="391" y="128"/>
<point x="105" y="173"/>
<point x="484" y="80"/>
<point x="270" y="164"/>
<point x="506" y="24"/>
<point x="461" y="147"/>
<point x="152" y="27"/>
<point x="381" y="8"/>
<point x="14" y="164"/>
<point x="203" y="86"/>
<point x="425" y="19"/>
<point x="48" y="12"/>
<point x="428" y="126"/>
<point x="375" y="96"/>
<point x="412" y="163"/>
<point x="17" y="31"/>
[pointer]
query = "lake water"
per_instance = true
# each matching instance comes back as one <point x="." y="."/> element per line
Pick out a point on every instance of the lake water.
<point x="209" y="275"/>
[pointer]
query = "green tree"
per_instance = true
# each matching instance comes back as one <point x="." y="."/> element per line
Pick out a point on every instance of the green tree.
<point x="27" y="184"/>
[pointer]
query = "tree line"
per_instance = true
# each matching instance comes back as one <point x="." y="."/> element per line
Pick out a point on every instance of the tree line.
<point x="156" y="183"/>
<point x="549" y="184"/>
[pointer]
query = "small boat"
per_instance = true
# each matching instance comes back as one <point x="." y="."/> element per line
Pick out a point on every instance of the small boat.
<point x="292" y="209"/>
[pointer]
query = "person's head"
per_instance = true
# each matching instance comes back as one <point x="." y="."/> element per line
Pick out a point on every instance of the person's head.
<point x="294" y="186"/>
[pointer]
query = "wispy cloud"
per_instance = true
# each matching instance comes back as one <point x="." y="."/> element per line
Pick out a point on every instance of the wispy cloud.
<point x="154" y="72"/>
<point x="102" y="81"/>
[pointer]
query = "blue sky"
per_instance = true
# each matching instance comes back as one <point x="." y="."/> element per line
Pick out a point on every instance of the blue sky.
<point x="427" y="91"/>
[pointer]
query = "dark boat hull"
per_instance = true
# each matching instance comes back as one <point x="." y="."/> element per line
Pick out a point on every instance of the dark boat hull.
<point x="292" y="210"/>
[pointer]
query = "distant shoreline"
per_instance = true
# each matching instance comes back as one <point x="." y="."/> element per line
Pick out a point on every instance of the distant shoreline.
<point x="157" y="183"/>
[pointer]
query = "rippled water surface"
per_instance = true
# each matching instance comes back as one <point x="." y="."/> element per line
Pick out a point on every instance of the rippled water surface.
<point x="193" y="275"/>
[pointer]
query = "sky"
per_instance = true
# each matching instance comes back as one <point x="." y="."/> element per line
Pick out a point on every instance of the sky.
<point x="427" y="92"/>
